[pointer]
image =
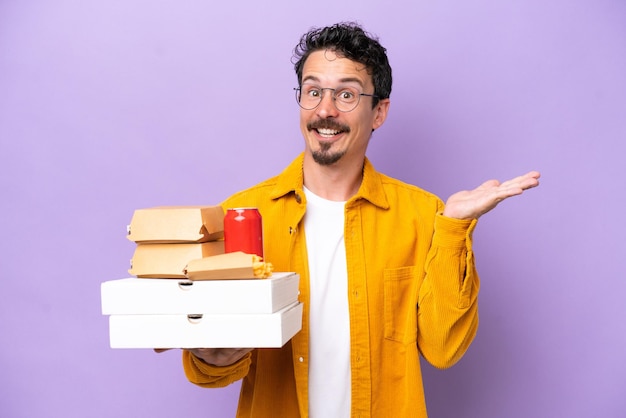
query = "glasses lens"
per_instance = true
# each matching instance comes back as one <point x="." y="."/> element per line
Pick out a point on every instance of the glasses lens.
<point x="346" y="98"/>
<point x="309" y="96"/>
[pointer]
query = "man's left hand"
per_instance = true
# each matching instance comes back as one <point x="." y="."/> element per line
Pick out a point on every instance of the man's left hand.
<point x="472" y="204"/>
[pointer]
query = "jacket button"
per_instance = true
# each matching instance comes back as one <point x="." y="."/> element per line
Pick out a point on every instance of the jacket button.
<point x="298" y="198"/>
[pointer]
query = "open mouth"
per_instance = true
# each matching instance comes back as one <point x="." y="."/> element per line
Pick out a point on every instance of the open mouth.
<point x="328" y="133"/>
<point x="327" y="129"/>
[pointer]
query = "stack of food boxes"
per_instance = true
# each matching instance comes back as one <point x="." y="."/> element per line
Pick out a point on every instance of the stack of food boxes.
<point x="167" y="306"/>
<point x="168" y="238"/>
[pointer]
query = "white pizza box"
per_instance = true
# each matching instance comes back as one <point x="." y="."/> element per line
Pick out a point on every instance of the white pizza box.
<point x="139" y="296"/>
<point x="206" y="330"/>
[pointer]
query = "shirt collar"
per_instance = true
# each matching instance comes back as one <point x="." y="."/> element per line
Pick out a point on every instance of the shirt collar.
<point x="291" y="180"/>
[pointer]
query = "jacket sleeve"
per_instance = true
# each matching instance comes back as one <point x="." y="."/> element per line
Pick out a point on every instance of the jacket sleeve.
<point x="447" y="312"/>
<point x="208" y="376"/>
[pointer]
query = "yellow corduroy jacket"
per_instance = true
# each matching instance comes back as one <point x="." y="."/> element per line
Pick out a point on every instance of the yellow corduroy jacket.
<point x="412" y="288"/>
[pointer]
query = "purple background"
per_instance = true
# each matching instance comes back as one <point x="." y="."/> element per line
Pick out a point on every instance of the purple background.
<point x="110" y="106"/>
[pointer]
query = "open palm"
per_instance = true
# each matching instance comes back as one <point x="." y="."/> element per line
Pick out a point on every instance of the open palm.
<point x="471" y="204"/>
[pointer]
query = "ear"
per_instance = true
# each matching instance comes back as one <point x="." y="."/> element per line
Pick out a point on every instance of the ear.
<point x="380" y="113"/>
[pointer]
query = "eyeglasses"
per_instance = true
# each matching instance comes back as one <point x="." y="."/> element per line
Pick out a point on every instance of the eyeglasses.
<point x="346" y="99"/>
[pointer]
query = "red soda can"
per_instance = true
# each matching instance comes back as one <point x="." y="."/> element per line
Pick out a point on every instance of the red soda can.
<point x="243" y="231"/>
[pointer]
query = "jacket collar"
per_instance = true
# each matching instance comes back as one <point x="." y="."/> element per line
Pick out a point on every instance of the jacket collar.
<point x="291" y="180"/>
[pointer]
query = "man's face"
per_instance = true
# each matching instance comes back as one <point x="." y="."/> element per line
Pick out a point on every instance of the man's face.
<point x="329" y="134"/>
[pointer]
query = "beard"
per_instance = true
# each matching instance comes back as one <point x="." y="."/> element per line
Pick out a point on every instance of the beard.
<point x="324" y="156"/>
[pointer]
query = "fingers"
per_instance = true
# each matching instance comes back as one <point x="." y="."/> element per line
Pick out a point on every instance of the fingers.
<point x="523" y="182"/>
<point x="220" y="356"/>
<point x="532" y="179"/>
<point x="530" y="176"/>
<point x="215" y="356"/>
<point x="489" y="184"/>
<point x="512" y="186"/>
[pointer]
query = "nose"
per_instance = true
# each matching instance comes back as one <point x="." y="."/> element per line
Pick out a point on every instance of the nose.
<point x="327" y="107"/>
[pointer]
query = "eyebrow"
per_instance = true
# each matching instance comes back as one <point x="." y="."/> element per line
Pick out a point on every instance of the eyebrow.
<point x="342" y="81"/>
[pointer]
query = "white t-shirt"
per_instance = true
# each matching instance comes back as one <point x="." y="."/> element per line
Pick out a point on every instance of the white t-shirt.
<point x="329" y="320"/>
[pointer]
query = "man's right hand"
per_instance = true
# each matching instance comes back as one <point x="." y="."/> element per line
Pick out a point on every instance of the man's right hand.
<point x="219" y="356"/>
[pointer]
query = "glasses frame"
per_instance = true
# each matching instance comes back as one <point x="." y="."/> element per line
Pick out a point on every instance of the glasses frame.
<point x="298" y="91"/>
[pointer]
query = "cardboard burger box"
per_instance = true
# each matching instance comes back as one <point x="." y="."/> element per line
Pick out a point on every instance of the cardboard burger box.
<point x="177" y="224"/>
<point x="235" y="265"/>
<point x="157" y="313"/>
<point x="169" y="260"/>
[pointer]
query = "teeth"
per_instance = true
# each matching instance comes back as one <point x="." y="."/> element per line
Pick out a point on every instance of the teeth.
<point x="327" y="132"/>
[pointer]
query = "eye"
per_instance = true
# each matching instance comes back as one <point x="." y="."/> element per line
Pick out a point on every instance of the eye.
<point x="346" y="95"/>
<point x="311" y="91"/>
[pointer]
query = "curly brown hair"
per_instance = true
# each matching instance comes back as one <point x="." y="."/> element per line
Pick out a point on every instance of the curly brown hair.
<point x="348" y="40"/>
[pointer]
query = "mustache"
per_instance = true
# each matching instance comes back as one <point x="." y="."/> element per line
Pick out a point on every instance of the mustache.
<point x="327" y="124"/>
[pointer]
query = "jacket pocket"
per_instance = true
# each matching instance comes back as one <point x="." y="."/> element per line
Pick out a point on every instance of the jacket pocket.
<point x="400" y="304"/>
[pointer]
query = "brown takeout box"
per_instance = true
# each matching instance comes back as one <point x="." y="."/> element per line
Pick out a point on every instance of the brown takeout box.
<point x="169" y="260"/>
<point x="236" y="265"/>
<point x="175" y="224"/>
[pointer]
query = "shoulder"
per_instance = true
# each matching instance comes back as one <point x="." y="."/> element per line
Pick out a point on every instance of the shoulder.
<point x="399" y="191"/>
<point x="252" y="195"/>
<point x="290" y="179"/>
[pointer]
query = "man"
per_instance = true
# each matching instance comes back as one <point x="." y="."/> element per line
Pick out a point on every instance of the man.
<point x="387" y="270"/>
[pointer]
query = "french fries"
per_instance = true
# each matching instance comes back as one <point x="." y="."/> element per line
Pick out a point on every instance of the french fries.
<point x="260" y="268"/>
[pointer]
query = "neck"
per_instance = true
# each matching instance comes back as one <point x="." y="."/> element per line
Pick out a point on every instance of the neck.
<point x="339" y="181"/>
